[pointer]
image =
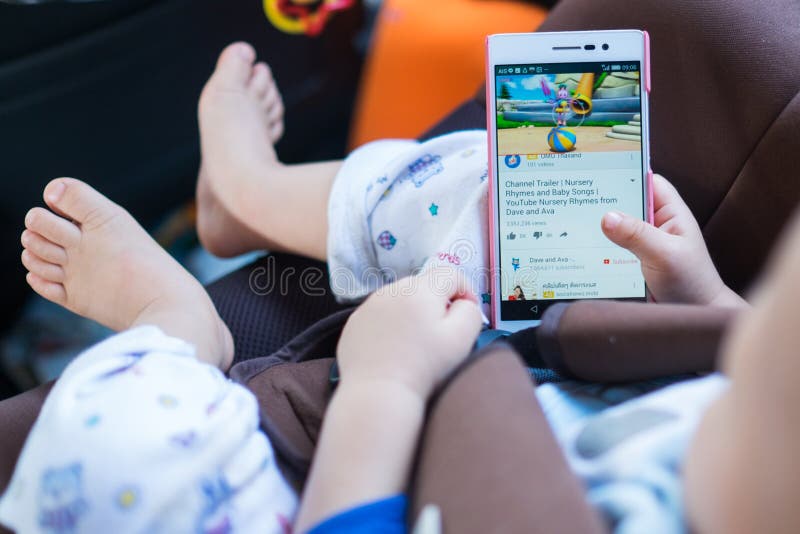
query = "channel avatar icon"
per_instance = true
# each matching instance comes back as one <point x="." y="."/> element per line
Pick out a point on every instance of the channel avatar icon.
<point x="513" y="161"/>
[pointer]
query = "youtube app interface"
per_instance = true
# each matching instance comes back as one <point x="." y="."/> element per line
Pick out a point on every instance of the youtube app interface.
<point x="569" y="149"/>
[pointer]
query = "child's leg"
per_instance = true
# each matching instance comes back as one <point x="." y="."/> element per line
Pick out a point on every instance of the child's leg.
<point x="743" y="472"/>
<point x="90" y="256"/>
<point x="247" y="199"/>
<point x="148" y="438"/>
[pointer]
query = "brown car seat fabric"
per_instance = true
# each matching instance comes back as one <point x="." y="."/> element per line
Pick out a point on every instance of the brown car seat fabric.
<point x="724" y="112"/>
<point x="487" y="457"/>
<point x="270" y="301"/>
<point x="17" y="416"/>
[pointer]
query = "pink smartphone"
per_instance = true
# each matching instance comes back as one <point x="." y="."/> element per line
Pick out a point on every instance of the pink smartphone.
<point x="568" y="131"/>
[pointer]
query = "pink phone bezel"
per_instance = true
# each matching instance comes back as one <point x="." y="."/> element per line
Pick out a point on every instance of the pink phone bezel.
<point x="492" y="236"/>
<point x="651" y="217"/>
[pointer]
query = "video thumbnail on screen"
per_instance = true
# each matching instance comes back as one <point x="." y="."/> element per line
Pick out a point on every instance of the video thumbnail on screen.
<point x="570" y="112"/>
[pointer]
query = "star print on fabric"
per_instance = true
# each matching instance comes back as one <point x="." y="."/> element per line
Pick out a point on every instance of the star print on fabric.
<point x="92" y="420"/>
<point x="127" y="497"/>
<point x="434" y="209"/>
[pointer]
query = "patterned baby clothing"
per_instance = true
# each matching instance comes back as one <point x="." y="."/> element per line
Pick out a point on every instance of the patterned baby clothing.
<point x="139" y="436"/>
<point x="401" y="207"/>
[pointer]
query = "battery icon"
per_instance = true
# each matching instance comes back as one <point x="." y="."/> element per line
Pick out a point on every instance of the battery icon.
<point x="615" y="67"/>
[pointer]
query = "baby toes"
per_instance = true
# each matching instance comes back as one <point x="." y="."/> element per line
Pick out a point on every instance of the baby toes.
<point x="43" y="248"/>
<point x="52" y="227"/>
<point x="272" y="101"/>
<point x="50" y="290"/>
<point x="46" y="270"/>
<point x="275" y="131"/>
<point x="261" y="80"/>
<point x="234" y="66"/>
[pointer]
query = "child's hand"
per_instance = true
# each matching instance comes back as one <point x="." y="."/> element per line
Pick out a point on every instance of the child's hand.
<point x="675" y="261"/>
<point x="406" y="338"/>
<point x="415" y="332"/>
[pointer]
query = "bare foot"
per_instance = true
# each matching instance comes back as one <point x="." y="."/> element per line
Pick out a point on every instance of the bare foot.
<point x="90" y="256"/>
<point x="241" y="117"/>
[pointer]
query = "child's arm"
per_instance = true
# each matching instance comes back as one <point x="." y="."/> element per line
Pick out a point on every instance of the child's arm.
<point x="402" y="342"/>
<point x="675" y="261"/>
<point x="742" y="470"/>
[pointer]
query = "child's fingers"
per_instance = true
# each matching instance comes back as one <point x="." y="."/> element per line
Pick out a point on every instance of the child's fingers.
<point x="464" y="320"/>
<point x="462" y="289"/>
<point x="647" y="242"/>
<point x="444" y="285"/>
<point x="663" y="191"/>
<point x="665" y="194"/>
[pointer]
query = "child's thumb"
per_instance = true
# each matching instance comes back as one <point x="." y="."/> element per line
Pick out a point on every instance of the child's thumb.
<point x="646" y="241"/>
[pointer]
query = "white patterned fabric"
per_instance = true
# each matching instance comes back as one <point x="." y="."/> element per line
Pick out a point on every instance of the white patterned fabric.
<point x="139" y="436"/>
<point x="398" y="207"/>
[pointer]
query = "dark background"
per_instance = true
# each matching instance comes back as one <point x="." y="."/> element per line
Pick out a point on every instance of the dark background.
<point x="107" y="92"/>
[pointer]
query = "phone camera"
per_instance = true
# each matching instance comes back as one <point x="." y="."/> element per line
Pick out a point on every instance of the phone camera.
<point x="588" y="47"/>
<point x="605" y="46"/>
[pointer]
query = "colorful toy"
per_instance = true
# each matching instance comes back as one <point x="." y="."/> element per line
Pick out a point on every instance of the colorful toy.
<point x="562" y="139"/>
<point x="303" y="16"/>
<point x="561" y="105"/>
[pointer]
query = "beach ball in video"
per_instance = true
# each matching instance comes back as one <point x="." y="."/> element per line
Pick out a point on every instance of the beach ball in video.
<point x="562" y="139"/>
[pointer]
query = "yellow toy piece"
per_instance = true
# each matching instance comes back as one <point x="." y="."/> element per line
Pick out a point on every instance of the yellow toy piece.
<point x="582" y="99"/>
<point x="581" y="104"/>
<point x="300" y="16"/>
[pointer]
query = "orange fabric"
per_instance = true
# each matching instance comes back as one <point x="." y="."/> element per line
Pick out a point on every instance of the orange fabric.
<point x="426" y="57"/>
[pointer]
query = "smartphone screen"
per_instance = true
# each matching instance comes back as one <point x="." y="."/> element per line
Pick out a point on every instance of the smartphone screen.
<point x="569" y="149"/>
